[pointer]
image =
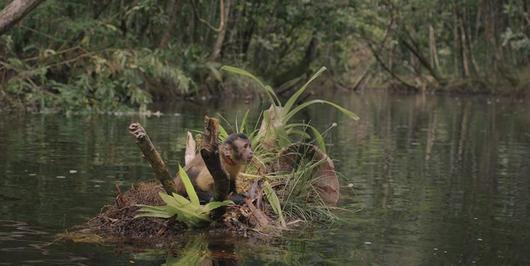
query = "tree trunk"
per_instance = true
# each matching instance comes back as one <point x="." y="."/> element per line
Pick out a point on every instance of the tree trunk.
<point x="463" y="47"/>
<point x="15" y="11"/>
<point x="225" y="12"/>
<point x="456" y="47"/>
<point x="387" y="69"/>
<point x="460" y="41"/>
<point x="423" y="60"/>
<point x="414" y="47"/>
<point x="435" y="62"/>
<point x="467" y="35"/>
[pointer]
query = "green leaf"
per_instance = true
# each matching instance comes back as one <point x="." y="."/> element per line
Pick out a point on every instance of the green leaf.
<point x="154" y="208"/>
<point x="154" y="214"/>
<point x="274" y="201"/>
<point x="268" y="90"/>
<point x="189" y="187"/>
<point x="292" y="99"/>
<point x="316" y="134"/>
<point x="345" y="111"/>
<point x="216" y="204"/>
<point x="155" y="211"/>
<point x="182" y="200"/>
<point x="300" y="133"/>
<point x="222" y="133"/>
<point x="243" y="123"/>
<point x="172" y="201"/>
<point x="319" y="139"/>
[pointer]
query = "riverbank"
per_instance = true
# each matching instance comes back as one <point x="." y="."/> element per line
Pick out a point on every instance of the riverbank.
<point x="513" y="85"/>
<point x="469" y="87"/>
<point x="244" y="92"/>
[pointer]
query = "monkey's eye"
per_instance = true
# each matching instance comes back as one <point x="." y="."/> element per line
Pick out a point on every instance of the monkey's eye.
<point x="246" y="145"/>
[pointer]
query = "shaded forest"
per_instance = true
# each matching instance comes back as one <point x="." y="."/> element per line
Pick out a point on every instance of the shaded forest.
<point x="116" y="55"/>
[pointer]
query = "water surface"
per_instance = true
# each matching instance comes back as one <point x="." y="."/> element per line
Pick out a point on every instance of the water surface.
<point x="426" y="180"/>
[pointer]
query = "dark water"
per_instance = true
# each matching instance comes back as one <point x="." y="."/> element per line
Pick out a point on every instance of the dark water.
<point x="426" y="180"/>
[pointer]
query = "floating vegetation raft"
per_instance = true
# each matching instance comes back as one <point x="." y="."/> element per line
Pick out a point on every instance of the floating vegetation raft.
<point x="290" y="180"/>
<point x="117" y="220"/>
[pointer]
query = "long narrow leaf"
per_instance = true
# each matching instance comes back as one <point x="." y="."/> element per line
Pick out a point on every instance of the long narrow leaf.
<point x="154" y="208"/>
<point x="216" y="204"/>
<point x="172" y="201"/>
<point x="318" y="136"/>
<point x="345" y="111"/>
<point x="189" y="187"/>
<point x="274" y="201"/>
<point x="300" y="133"/>
<point x="153" y="214"/>
<point x="269" y="91"/>
<point x="155" y="211"/>
<point x="319" y="139"/>
<point x="182" y="200"/>
<point x="222" y="133"/>
<point x="243" y="123"/>
<point x="292" y="99"/>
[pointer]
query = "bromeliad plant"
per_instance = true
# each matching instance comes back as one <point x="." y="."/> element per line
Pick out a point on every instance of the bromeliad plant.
<point x="275" y="129"/>
<point x="274" y="133"/>
<point x="190" y="212"/>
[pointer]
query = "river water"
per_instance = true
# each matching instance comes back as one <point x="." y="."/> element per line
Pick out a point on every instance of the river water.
<point x="432" y="180"/>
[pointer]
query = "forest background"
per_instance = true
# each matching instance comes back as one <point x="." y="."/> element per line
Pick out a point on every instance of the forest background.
<point x="108" y="55"/>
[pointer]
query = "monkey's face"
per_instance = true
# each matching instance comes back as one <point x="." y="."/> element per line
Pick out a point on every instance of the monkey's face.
<point x="242" y="151"/>
<point x="238" y="148"/>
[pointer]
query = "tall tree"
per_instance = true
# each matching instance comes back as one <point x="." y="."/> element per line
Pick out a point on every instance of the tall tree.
<point x="224" y="11"/>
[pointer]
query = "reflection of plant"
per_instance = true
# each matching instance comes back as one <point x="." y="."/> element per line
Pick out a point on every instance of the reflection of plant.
<point x="193" y="253"/>
<point x="190" y="212"/>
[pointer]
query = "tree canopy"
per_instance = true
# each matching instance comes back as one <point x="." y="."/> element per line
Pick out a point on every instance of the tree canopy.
<point x="108" y="55"/>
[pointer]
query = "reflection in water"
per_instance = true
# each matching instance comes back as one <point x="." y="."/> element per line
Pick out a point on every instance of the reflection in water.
<point x="203" y="249"/>
<point x="438" y="180"/>
<point x="193" y="253"/>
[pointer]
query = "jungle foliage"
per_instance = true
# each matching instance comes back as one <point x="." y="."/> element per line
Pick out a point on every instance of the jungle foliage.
<point x="111" y="55"/>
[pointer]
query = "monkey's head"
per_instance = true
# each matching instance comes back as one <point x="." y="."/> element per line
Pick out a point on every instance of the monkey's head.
<point x="237" y="149"/>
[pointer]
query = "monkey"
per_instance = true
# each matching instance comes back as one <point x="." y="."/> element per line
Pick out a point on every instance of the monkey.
<point x="234" y="153"/>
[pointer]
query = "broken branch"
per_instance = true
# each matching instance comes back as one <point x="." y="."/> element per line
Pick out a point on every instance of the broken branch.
<point x="153" y="157"/>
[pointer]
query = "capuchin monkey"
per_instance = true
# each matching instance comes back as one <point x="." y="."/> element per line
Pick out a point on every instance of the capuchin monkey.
<point x="234" y="153"/>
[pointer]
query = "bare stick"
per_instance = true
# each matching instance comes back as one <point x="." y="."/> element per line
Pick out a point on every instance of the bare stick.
<point x="153" y="157"/>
